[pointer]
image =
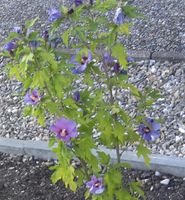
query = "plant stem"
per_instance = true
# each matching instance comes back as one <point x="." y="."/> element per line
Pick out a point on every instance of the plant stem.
<point x="85" y="168"/>
<point x="118" y="153"/>
<point x="115" y="115"/>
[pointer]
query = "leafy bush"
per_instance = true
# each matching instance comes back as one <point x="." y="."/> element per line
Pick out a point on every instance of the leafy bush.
<point x="88" y="115"/>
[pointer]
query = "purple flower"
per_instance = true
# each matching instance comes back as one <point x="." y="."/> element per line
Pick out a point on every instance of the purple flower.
<point x="82" y="65"/>
<point x="78" y="2"/>
<point x="46" y="35"/>
<point x="108" y="59"/>
<point x="95" y="185"/>
<point x="32" y="97"/>
<point x="119" y="17"/>
<point x="149" y="130"/>
<point x="116" y="67"/>
<point x="76" y="96"/>
<point x="65" y="129"/>
<point x="10" y="46"/>
<point x="17" y="29"/>
<point x="54" y="15"/>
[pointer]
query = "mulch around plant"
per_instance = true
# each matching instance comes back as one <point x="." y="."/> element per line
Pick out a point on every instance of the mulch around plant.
<point x="26" y="178"/>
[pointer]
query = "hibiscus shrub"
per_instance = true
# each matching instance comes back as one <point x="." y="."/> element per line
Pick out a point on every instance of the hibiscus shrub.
<point x="78" y="84"/>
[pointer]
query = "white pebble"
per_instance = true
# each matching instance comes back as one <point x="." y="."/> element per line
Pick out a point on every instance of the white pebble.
<point x="157" y="173"/>
<point x="165" y="181"/>
<point x="153" y="69"/>
<point x="182" y="130"/>
<point x="178" y="138"/>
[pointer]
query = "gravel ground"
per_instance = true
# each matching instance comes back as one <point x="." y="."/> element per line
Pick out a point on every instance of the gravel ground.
<point x="26" y="178"/>
<point x="168" y="77"/>
<point x="165" y="76"/>
<point x="164" y="27"/>
<point x="162" y="30"/>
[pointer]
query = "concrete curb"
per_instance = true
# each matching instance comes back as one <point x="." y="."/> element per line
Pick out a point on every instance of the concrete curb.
<point x="145" y="55"/>
<point x="39" y="149"/>
<point x="158" y="55"/>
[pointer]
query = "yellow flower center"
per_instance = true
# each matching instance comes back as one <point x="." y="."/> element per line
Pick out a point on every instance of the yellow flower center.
<point x="146" y="130"/>
<point x="63" y="132"/>
<point x="83" y="60"/>
<point x="97" y="184"/>
<point x="34" y="98"/>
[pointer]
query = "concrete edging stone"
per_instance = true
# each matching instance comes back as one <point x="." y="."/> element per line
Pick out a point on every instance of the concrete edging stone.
<point x="145" y="55"/>
<point x="39" y="149"/>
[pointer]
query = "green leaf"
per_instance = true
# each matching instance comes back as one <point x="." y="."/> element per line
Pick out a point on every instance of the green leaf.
<point x="30" y="23"/>
<point x="49" y="59"/>
<point x="113" y="180"/>
<point x="52" y="141"/>
<point x="104" y="158"/>
<point x="40" y="78"/>
<point x="144" y="151"/>
<point x="87" y="194"/>
<point x="123" y="194"/>
<point x="131" y="11"/>
<point x="124" y="29"/>
<point x="65" y="37"/>
<point x="12" y="36"/>
<point x="119" y="52"/>
<point x="52" y="107"/>
<point x="115" y="109"/>
<point x="134" y="90"/>
<point x="27" y="111"/>
<point x="136" y="187"/>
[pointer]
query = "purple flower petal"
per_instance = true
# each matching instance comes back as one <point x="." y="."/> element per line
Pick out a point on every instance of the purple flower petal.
<point x="78" y="2"/>
<point x="107" y="58"/>
<point x="119" y="17"/>
<point x="54" y="15"/>
<point x="17" y="29"/>
<point x="116" y="68"/>
<point x="76" y="96"/>
<point x="46" y="35"/>
<point x="149" y="130"/>
<point x="65" y="129"/>
<point x="32" y="97"/>
<point x="147" y="137"/>
<point x="80" y="67"/>
<point x="95" y="185"/>
<point x="54" y="128"/>
<point x="10" y="46"/>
